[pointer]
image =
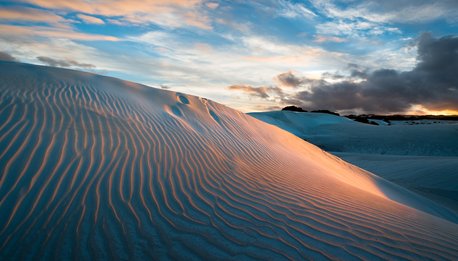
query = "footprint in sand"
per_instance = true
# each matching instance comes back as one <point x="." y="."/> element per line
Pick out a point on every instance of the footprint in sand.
<point x="214" y="116"/>
<point x="182" y="99"/>
<point x="176" y="111"/>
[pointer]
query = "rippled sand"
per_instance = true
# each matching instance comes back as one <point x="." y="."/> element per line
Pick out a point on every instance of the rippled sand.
<point x="96" y="167"/>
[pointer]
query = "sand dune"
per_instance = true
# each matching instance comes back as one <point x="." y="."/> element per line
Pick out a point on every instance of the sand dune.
<point x="340" y="134"/>
<point x="96" y="167"/>
<point x="421" y="157"/>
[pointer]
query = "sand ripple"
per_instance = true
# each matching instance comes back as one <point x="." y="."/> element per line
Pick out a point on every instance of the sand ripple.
<point x="95" y="167"/>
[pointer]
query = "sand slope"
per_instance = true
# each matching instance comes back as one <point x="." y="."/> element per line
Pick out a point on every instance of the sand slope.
<point x="95" y="167"/>
<point x="421" y="157"/>
<point x="340" y="134"/>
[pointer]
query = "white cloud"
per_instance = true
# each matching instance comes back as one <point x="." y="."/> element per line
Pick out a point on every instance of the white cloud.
<point x="392" y="11"/>
<point x="203" y="69"/>
<point x="166" y="13"/>
<point x="90" y="19"/>
<point x="212" y="5"/>
<point x="26" y="14"/>
<point x="322" y="39"/>
<point x="198" y="66"/>
<point x="354" y="28"/>
<point x="27" y="32"/>
<point x="294" y="10"/>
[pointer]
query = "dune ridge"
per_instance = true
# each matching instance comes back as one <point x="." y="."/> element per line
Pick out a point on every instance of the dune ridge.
<point x="421" y="157"/>
<point x="96" y="167"/>
<point x="340" y="134"/>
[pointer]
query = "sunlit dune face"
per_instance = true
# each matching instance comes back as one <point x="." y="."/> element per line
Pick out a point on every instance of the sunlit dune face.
<point x="168" y="175"/>
<point x="133" y="85"/>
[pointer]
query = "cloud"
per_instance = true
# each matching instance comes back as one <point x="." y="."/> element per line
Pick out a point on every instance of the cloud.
<point x="249" y="60"/>
<point x="90" y="19"/>
<point x="369" y="19"/>
<point x="27" y="48"/>
<point x="64" y="63"/>
<point x="411" y="11"/>
<point x="432" y="83"/>
<point x="26" y="14"/>
<point x="392" y="11"/>
<point x="167" y="13"/>
<point x="263" y="92"/>
<point x="7" y="57"/>
<point x="323" y="38"/>
<point x="195" y="61"/>
<point x="288" y="79"/>
<point x="329" y="30"/>
<point x="294" y="10"/>
<point x="10" y="31"/>
<point x="212" y="5"/>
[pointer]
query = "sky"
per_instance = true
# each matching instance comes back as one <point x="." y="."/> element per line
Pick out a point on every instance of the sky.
<point x="350" y="56"/>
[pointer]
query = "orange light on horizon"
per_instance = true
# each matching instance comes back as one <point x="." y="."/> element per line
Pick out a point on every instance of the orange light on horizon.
<point x="421" y="110"/>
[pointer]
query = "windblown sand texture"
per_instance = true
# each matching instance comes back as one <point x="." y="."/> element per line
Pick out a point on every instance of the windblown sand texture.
<point x="96" y="167"/>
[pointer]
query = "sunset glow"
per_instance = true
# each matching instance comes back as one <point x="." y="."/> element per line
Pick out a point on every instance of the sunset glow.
<point x="421" y="110"/>
<point x="341" y="54"/>
<point x="94" y="167"/>
<point x="228" y="130"/>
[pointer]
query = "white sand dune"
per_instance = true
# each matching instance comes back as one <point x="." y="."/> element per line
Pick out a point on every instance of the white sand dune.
<point x="340" y="134"/>
<point x="422" y="157"/>
<point x="96" y="167"/>
<point x="435" y="177"/>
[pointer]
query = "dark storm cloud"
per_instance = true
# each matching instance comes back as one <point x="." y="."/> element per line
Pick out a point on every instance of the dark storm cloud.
<point x="288" y="79"/>
<point x="357" y="71"/>
<point x="261" y="92"/>
<point x="334" y="76"/>
<point x="7" y="57"/>
<point x="433" y="83"/>
<point x="358" y="74"/>
<point x="64" y="63"/>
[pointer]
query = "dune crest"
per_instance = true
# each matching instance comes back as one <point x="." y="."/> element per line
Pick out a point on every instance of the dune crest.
<point x="96" y="167"/>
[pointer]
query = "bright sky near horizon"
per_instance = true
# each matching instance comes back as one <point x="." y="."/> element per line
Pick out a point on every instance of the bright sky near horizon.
<point x="391" y="56"/>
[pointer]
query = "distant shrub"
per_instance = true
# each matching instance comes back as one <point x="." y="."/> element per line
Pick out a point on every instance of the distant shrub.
<point x="293" y="108"/>
<point x="326" y="111"/>
<point x="361" y="119"/>
<point x="373" y="123"/>
<point x="387" y="121"/>
<point x="406" y="119"/>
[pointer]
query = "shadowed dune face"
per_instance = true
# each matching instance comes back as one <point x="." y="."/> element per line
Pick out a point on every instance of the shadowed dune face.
<point x="97" y="167"/>
<point x="421" y="157"/>
<point x="340" y="134"/>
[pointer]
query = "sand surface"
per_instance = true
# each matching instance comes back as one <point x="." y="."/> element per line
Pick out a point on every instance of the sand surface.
<point x="96" y="167"/>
